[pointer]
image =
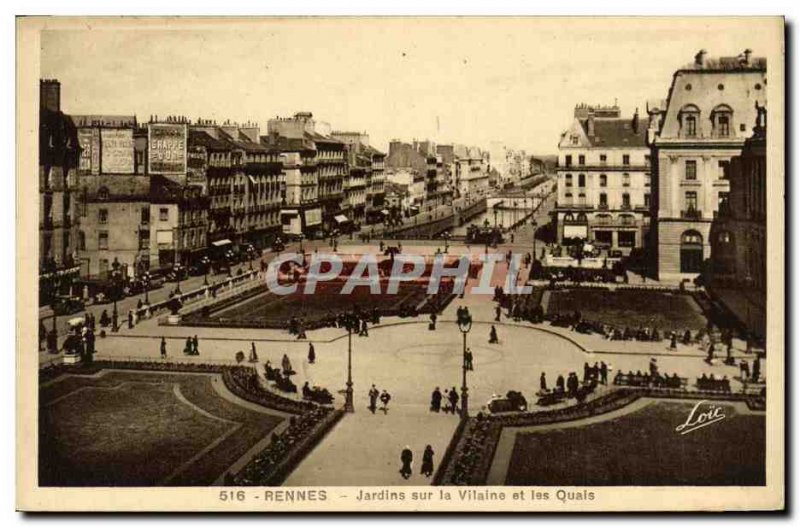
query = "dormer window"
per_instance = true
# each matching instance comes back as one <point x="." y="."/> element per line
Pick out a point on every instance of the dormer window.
<point x="102" y="194"/>
<point x="688" y="117"/>
<point x="721" y="118"/>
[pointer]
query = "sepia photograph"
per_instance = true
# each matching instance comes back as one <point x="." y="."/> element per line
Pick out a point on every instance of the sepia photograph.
<point x="400" y="263"/>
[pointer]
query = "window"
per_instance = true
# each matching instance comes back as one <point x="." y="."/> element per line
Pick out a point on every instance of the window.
<point x="581" y="160"/>
<point x="163" y="214"/>
<point x="568" y="180"/>
<point x="626" y="201"/>
<point x="626" y="180"/>
<point x="690" y="201"/>
<point x="102" y="216"/>
<point x="724" y="126"/>
<point x="647" y="200"/>
<point x="647" y="159"/>
<point x="724" y="169"/>
<point x="626" y="238"/>
<point x="102" y="240"/>
<point x="144" y="239"/>
<point x="574" y="139"/>
<point x="603" y="200"/>
<point x="691" y="126"/>
<point x="691" y="252"/>
<point x="603" y="180"/>
<point x="723" y="202"/>
<point x="647" y="180"/>
<point x="568" y="161"/>
<point x="603" y="159"/>
<point x="690" y="174"/>
<point x="626" y="159"/>
<point x="102" y="193"/>
<point x="568" y="195"/>
<point x="145" y="215"/>
<point x="81" y="241"/>
<point x="581" y="180"/>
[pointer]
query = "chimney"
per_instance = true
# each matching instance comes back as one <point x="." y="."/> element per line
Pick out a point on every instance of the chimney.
<point x="50" y="95"/>
<point x="700" y="58"/>
<point x="590" y="124"/>
<point x="747" y="53"/>
<point x="635" y="122"/>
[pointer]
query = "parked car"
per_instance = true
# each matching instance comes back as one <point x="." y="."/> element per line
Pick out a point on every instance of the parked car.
<point x="68" y="305"/>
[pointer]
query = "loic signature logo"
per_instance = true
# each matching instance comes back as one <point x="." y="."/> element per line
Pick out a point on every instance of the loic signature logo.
<point x="701" y="416"/>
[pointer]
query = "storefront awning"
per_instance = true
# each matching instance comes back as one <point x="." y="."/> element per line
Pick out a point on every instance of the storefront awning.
<point x="289" y="213"/>
<point x="220" y="243"/>
<point x="341" y="218"/>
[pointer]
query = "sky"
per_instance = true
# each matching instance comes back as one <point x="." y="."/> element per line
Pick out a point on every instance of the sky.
<point x="451" y="80"/>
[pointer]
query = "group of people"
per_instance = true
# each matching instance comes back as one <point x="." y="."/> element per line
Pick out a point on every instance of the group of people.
<point x="446" y="402"/>
<point x="407" y="461"/>
<point x="375" y="395"/>
<point x="192" y="346"/>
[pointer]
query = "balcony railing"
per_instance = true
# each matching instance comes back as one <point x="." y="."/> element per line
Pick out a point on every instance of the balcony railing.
<point x="691" y="214"/>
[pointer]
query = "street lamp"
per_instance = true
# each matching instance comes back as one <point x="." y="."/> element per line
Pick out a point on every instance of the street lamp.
<point x="115" y="285"/>
<point x="446" y="236"/>
<point x="464" y="321"/>
<point x="351" y="323"/>
<point x="534" y="225"/>
<point x="146" y="283"/>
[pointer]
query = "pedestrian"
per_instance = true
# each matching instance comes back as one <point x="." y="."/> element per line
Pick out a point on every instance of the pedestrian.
<point x="312" y="356"/>
<point x="406" y="458"/>
<point x="673" y="341"/>
<point x="493" y="335"/>
<point x="560" y="384"/>
<point x="744" y="370"/>
<point x="130" y="319"/>
<point x="253" y="354"/>
<point x="385" y="398"/>
<point x="286" y="365"/>
<point x="427" y="462"/>
<point x="163" y="348"/>
<point x="195" y="346"/>
<point x="364" y="332"/>
<point x="710" y="356"/>
<point x="756" y="369"/>
<point x="436" y="400"/>
<point x="453" y="397"/>
<point x="603" y="373"/>
<point x="187" y="349"/>
<point x="373" y="398"/>
<point x="497" y="312"/>
<point x="468" y="359"/>
<point x="542" y="383"/>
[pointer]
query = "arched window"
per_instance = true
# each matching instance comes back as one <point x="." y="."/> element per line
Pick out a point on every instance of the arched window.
<point x="691" y="252"/>
<point x="721" y="119"/>
<point x="582" y="217"/>
<point x="102" y="193"/>
<point x="569" y="217"/>
<point x="688" y="117"/>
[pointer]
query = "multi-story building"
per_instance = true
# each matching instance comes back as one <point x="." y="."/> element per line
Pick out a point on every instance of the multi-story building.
<point x="178" y="223"/>
<point x="471" y="171"/>
<point x="709" y="113"/>
<point x="737" y="274"/>
<point x="604" y="179"/>
<point x="58" y="165"/>
<point x="296" y="140"/>
<point x="114" y="192"/>
<point x="376" y="211"/>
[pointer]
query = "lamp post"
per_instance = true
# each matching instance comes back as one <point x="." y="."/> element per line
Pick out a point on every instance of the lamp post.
<point x="350" y="321"/>
<point x="464" y="321"/>
<point x="115" y="285"/>
<point x="534" y="225"/>
<point x="446" y="236"/>
<point x="146" y="282"/>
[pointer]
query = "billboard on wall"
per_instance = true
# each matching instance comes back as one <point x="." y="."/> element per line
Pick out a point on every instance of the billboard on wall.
<point x="117" y="150"/>
<point x="313" y="217"/>
<point x="166" y="148"/>
<point x="89" y="142"/>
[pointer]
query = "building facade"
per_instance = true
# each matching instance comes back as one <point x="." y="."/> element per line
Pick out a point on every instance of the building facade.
<point x="737" y="271"/>
<point x="603" y="185"/>
<point x="708" y="116"/>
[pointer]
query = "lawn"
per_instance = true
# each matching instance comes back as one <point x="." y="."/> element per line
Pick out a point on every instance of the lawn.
<point x="323" y="303"/>
<point x="621" y="308"/>
<point x="643" y="448"/>
<point x="131" y="429"/>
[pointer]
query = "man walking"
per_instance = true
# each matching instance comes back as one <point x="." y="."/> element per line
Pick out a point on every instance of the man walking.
<point x="453" y="396"/>
<point x="195" y="346"/>
<point x="373" y="399"/>
<point x="493" y="335"/>
<point x="385" y="398"/>
<point x="436" y="400"/>
<point x="312" y="355"/>
<point x="406" y="458"/>
<point x="163" y="348"/>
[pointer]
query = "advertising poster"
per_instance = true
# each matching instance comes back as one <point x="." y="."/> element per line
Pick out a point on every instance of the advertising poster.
<point x="117" y="151"/>
<point x="167" y="148"/>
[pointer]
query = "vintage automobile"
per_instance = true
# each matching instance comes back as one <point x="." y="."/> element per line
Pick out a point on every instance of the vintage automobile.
<point x="513" y="402"/>
<point x="67" y="305"/>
